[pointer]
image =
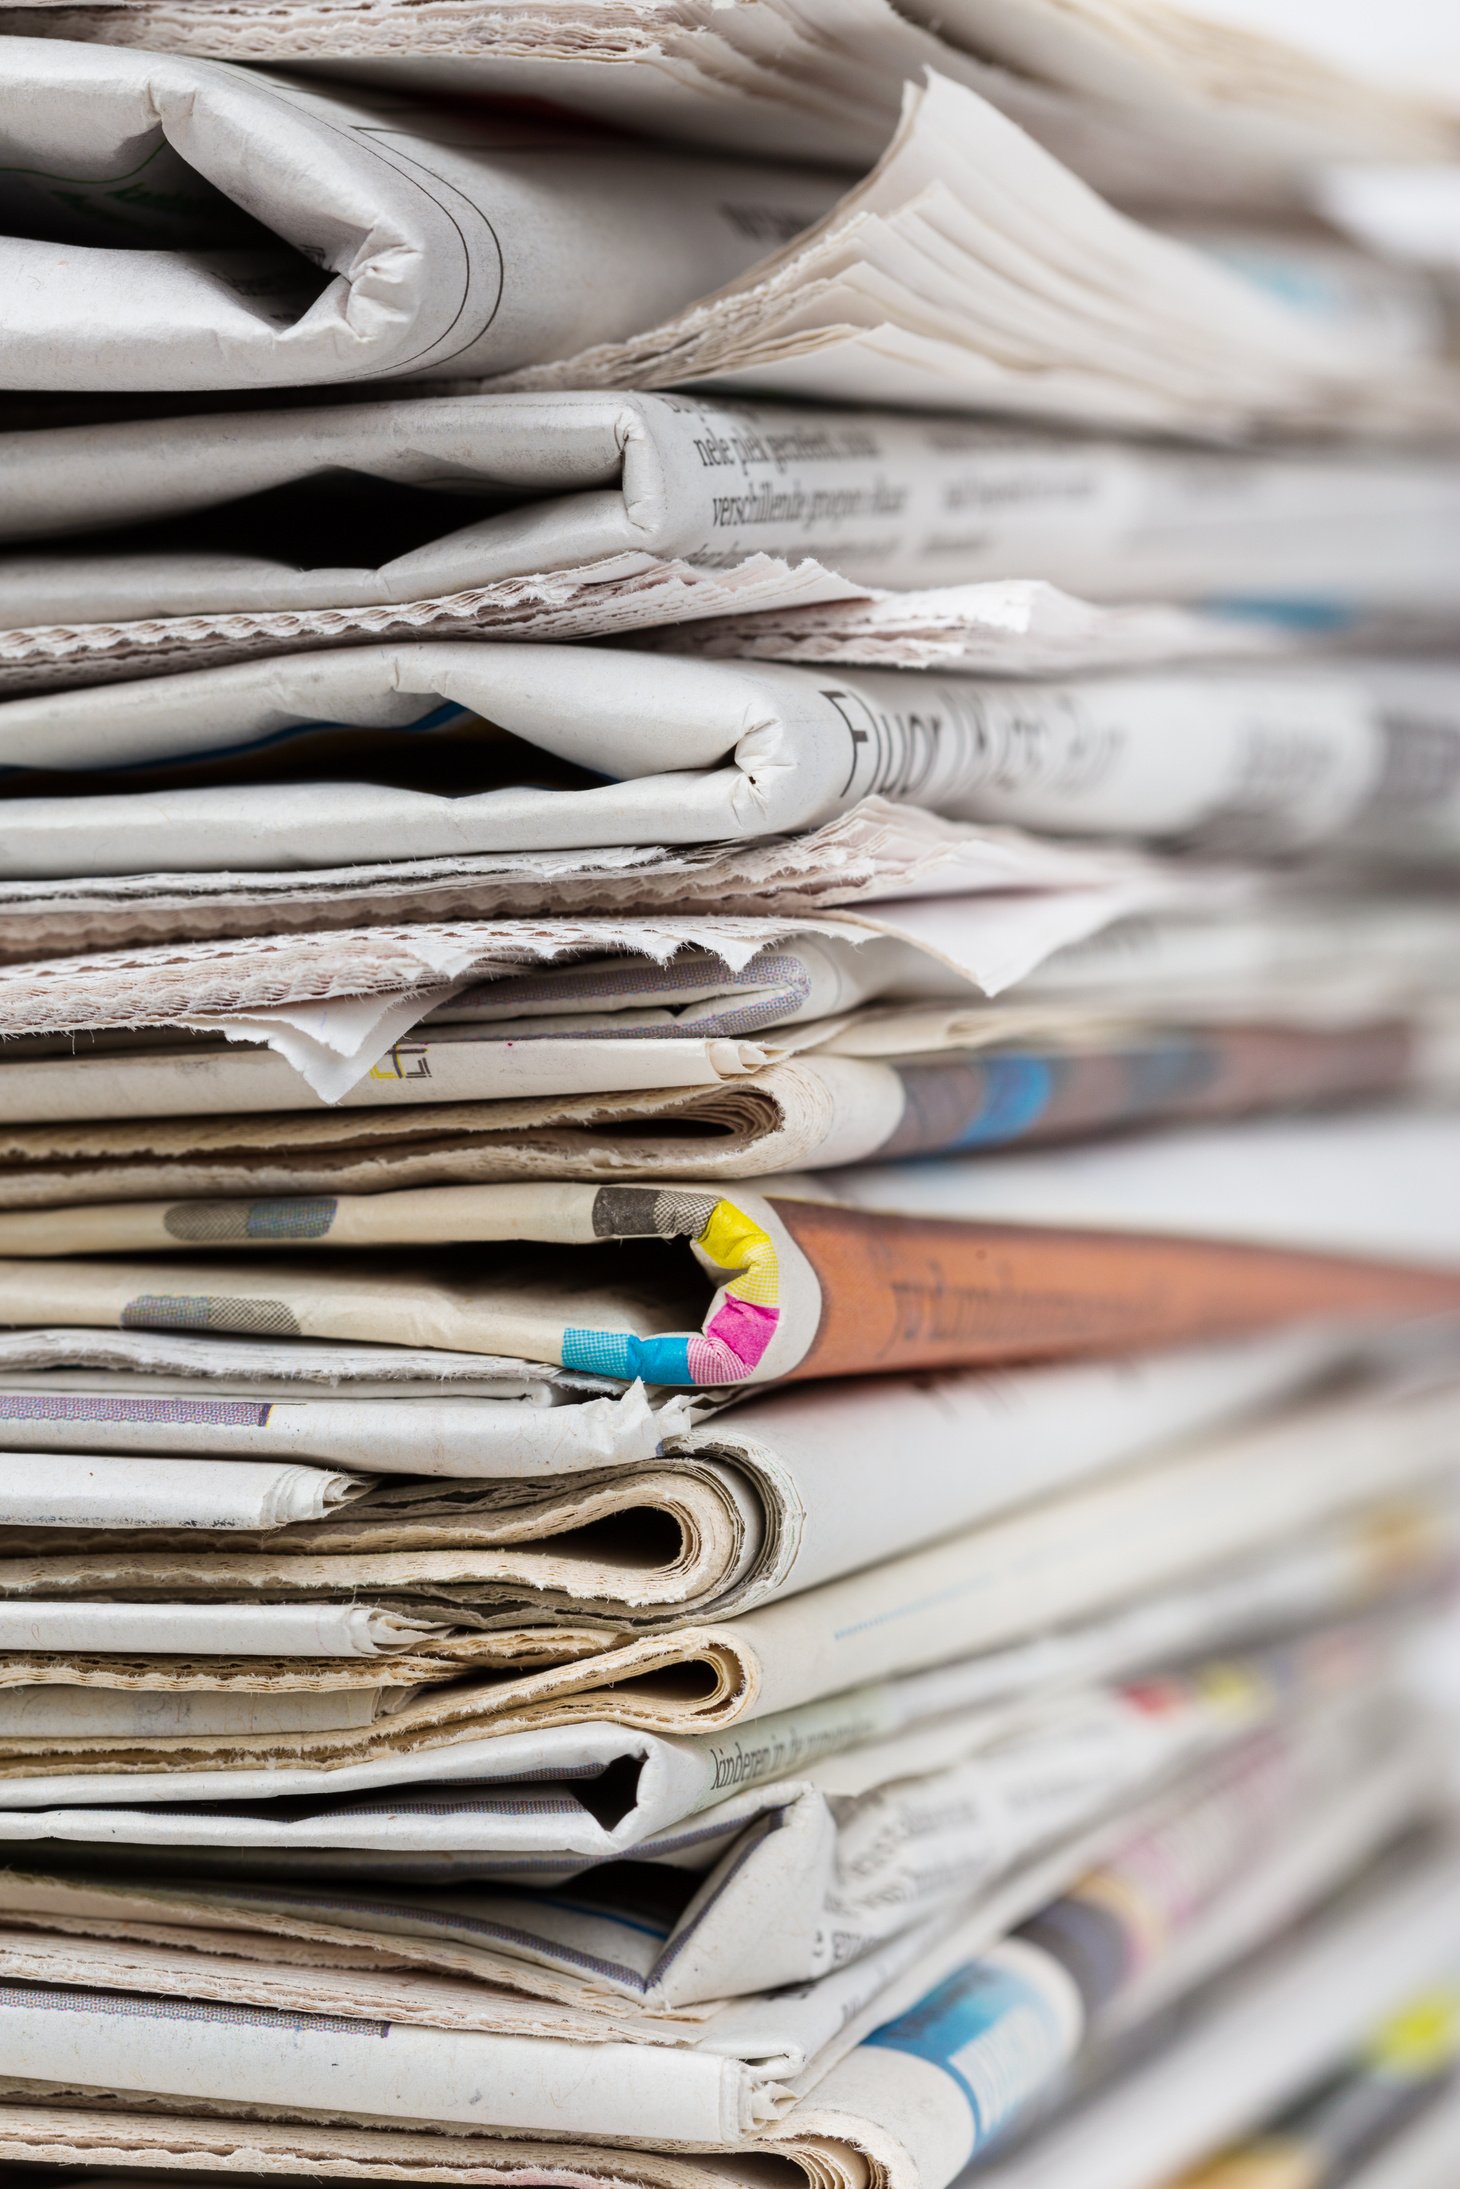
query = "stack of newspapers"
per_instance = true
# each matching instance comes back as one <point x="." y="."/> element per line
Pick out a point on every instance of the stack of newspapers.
<point x="729" y="1102"/>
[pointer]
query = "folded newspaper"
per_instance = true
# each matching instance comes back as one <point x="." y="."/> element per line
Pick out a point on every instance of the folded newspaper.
<point x="434" y="748"/>
<point x="179" y="524"/>
<point x="159" y="1122"/>
<point x="876" y="853"/>
<point x="1265" y="2048"/>
<point x="880" y="2058"/>
<point x="1257" y="2037"/>
<point x="288" y="235"/>
<point x="1307" y="996"/>
<point x="547" y="1805"/>
<point x="1138" y="101"/>
<point x="626" y="1511"/>
<point x="776" y="1885"/>
<point x="971" y="1260"/>
<point x="138" y="1695"/>
<point x="335" y="999"/>
<point x="1391" y="2101"/>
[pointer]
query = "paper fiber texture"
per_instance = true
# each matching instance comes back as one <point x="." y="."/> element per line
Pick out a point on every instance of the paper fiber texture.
<point x="334" y="1001"/>
<point x="1181" y="941"/>
<point x="1088" y="946"/>
<point x="431" y="250"/>
<point x="1135" y="106"/>
<point x="1175" y="1238"/>
<point x="807" y="1112"/>
<point x="1280" y="759"/>
<point x="601" y="600"/>
<point x="1018" y="628"/>
<point x="483" y="1530"/>
<point x="1196" y="1875"/>
<point x="877" y="850"/>
<point x="155" y="518"/>
<point x="1083" y="1556"/>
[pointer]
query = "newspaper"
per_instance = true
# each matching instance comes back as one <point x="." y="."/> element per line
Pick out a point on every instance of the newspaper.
<point x="1404" y="2079"/>
<point x="1017" y="628"/>
<point x="1259" y="2046"/>
<point x="809" y="1111"/>
<point x="589" y="1956"/>
<point x="335" y="1001"/>
<point x="460" y="747"/>
<point x="1020" y="627"/>
<point x="354" y="234"/>
<point x="348" y="235"/>
<point x="922" y="287"/>
<point x="878" y="1267"/>
<point x="1281" y="2019"/>
<point x="466" y="490"/>
<point x="1083" y="1555"/>
<point x="544" y="1805"/>
<point x="1204" y="112"/>
<point x="822" y="1869"/>
<point x="190" y="525"/>
<point x="213" y="1496"/>
<point x="622" y="593"/>
<point x="877" y="851"/>
<point x="1213" y="1868"/>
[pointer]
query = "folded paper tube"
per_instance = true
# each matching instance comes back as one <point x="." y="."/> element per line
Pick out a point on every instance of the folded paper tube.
<point x="914" y="1266"/>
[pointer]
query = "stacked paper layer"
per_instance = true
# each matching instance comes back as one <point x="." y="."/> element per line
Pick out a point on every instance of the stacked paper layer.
<point x="729" y="1175"/>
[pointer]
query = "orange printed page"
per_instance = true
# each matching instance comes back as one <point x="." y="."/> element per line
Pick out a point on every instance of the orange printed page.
<point x="914" y="1292"/>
